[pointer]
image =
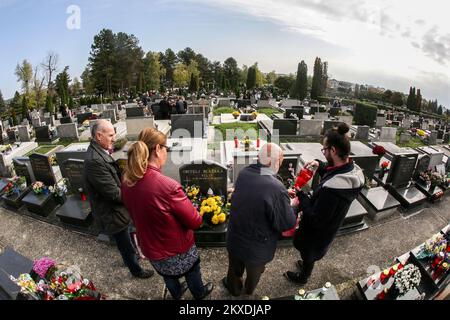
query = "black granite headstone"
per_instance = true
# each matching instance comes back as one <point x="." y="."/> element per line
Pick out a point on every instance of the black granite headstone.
<point x="134" y="112"/>
<point x="187" y="126"/>
<point x="22" y="167"/>
<point x="12" y="264"/>
<point x="43" y="134"/>
<point x="81" y="117"/>
<point x="290" y="112"/>
<point x="401" y="171"/>
<point x="207" y="174"/>
<point x="423" y="163"/>
<point x="285" y="127"/>
<point x="42" y="169"/>
<point x="64" y="120"/>
<point x="334" y="112"/>
<point x="73" y="169"/>
<point x="12" y="135"/>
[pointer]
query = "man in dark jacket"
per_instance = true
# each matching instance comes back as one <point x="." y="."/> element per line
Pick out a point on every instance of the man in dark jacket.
<point x="102" y="183"/>
<point x="260" y="212"/>
<point x="324" y="212"/>
<point x="164" y="108"/>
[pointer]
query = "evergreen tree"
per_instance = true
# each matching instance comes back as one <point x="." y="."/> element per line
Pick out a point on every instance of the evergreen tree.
<point x="397" y="99"/>
<point x="62" y="86"/>
<point x="168" y="60"/>
<point x="251" y="78"/>
<point x="49" y="104"/>
<point x="24" y="109"/>
<point x="317" y="79"/>
<point x="194" y="83"/>
<point x="439" y="110"/>
<point x="300" y="87"/>
<point x="2" y="103"/>
<point x="357" y="91"/>
<point x="152" y="71"/>
<point x="418" y="102"/>
<point x="411" y="101"/>
<point x="232" y="74"/>
<point x="324" y="78"/>
<point x="15" y="106"/>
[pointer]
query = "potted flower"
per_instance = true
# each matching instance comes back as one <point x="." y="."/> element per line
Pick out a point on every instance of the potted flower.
<point x="436" y="179"/>
<point x="236" y="114"/>
<point x="59" y="191"/>
<point x="406" y="279"/>
<point x="247" y="143"/>
<point x="383" y="169"/>
<point x="39" y="188"/>
<point x="379" y="151"/>
<point x="254" y="114"/>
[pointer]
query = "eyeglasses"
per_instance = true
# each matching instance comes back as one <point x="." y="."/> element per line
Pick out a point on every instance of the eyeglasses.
<point x="323" y="149"/>
<point x="164" y="146"/>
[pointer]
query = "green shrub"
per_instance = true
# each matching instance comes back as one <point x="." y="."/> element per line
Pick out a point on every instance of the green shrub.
<point x="365" y="114"/>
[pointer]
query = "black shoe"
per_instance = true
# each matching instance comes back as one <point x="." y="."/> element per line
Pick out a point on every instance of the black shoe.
<point x="296" y="277"/>
<point x="225" y="284"/>
<point x="144" y="274"/>
<point x="207" y="290"/>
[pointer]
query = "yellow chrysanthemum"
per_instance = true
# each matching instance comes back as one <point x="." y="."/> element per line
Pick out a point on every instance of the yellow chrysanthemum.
<point x="215" y="220"/>
<point x="222" y="217"/>
<point x="204" y="203"/>
<point x="218" y="210"/>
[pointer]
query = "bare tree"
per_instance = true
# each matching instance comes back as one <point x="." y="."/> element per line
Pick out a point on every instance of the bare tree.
<point x="37" y="86"/>
<point x="50" y="66"/>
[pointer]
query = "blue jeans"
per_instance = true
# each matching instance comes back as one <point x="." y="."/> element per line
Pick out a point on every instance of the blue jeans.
<point x="193" y="280"/>
<point x="127" y="251"/>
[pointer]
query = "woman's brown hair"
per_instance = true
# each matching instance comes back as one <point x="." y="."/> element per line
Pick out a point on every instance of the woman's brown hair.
<point x="139" y="154"/>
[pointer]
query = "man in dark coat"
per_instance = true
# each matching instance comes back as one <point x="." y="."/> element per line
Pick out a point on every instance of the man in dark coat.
<point x="260" y="212"/>
<point x="102" y="183"/>
<point x="324" y="212"/>
<point x="164" y="108"/>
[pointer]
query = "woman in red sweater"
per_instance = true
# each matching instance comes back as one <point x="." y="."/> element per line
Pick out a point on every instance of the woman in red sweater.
<point x="163" y="215"/>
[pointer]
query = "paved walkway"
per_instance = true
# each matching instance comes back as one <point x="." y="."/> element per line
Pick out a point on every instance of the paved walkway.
<point x="345" y="264"/>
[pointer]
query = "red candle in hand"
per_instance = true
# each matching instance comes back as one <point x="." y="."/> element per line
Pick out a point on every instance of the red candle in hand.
<point x="257" y="143"/>
<point x="303" y="177"/>
<point x="236" y="142"/>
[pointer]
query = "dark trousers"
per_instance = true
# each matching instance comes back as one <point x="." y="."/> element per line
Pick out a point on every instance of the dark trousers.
<point x="236" y="268"/>
<point x="308" y="267"/>
<point x="127" y="251"/>
<point x="193" y="280"/>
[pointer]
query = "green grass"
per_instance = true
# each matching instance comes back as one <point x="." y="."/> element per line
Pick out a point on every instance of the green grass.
<point x="242" y="129"/>
<point x="41" y="149"/>
<point x="220" y="110"/>
<point x="413" y="142"/>
<point x="268" y="111"/>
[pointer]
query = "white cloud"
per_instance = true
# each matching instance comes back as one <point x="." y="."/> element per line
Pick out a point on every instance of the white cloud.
<point x="404" y="37"/>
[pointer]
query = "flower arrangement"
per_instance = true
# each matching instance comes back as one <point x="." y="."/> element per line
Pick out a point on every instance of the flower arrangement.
<point x="436" y="179"/>
<point x="53" y="160"/>
<point x="421" y="133"/>
<point x="213" y="209"/>
<point x="6" y="148"/>
<point x="85" y="123"/>
<point x="407" y="279"/>
<point x="379" y="151"/>
<point x="236" y="114"/>
<point x="59" y="189"/>
<point x="432" y="247"/>
<point x="39" y="187"/>
<point x="15" y="185"/>
<point x="384" y="165"/>
<point x="254" y="114"/>
<point x="47" y="281"/>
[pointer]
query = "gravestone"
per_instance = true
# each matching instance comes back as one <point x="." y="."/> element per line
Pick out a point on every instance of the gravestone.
<point x="12" y="264"/>
<point x="72" y="151"/>
<point x="24" y="134"/>
<point x="110" y="114"/>
<point x="423" y="163"/>
<point x="22" y="167"/>
<point x="41" y="204"/>
<point x="76" y="210"/>
<point x="68" y="130"/>
<point x="43" y="134"/>
<point x="12" y="136"/>
<point x="310" y="128"/>
<point x="362" y="133"/>
<point x="388" y="134"/>
<point x="416" y="124"/>
<point x="346" y="119"/>
<point x="64" y="120"/>
<point x="440" y="134"/>
<point x="406" y="123"/>
<point x="289" y="113"/>
<point x="334" y="111"/>
<point x="136" y="124"/>
<point x="81" y="117"/>
<point x="381" y="121"/>
<point x="321" y="116"/>
<point x="187" y="125"/>
<point x="36" y="122"/>
<point x="405" y="137"/>
<point x="330" y="124"/>
<point x="132" y="112"/>
<point x="285" y="127"/>
<point x="402" y="169"/>
<point x="206" y="175"/>
<point x="363" y="156"/>
<point x="446" y="138"/>
<point x="432" y="137"/>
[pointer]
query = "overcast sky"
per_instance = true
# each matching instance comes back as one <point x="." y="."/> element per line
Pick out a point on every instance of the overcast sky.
<point x="391" y="44"/>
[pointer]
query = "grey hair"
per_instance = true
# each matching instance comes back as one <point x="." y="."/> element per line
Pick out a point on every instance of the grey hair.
<point x="269" y="154"/>
<point x="98" y="125"/>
